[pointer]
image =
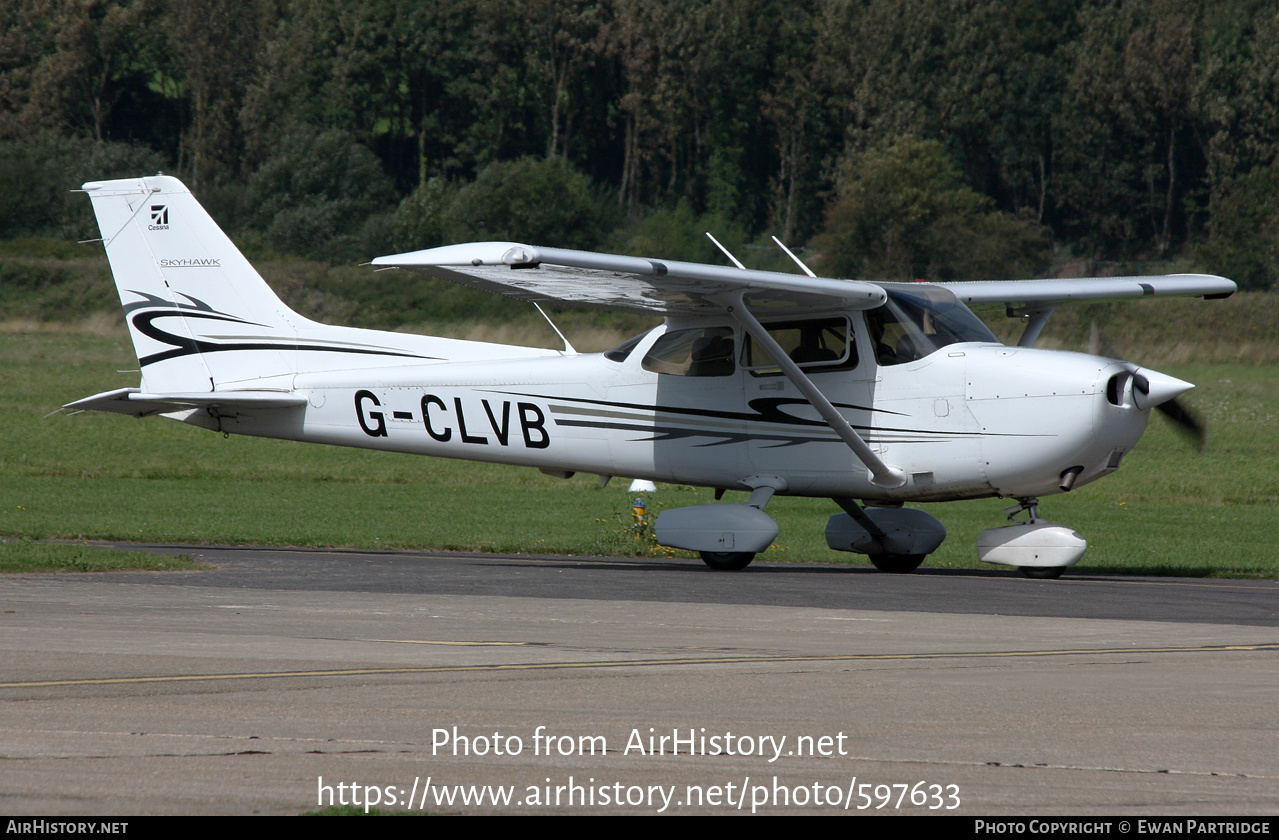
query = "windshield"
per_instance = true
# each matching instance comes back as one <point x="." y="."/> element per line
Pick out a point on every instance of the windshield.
<point x="918" y="320"/>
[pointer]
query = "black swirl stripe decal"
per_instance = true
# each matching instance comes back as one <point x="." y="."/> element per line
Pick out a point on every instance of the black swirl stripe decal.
<point x="153" y="308"/>
<point x="766" y="410"/>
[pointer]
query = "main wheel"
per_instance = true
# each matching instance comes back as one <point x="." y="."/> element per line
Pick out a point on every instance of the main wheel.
<point x="727" y="561"/>
<point x="897" y="563"/>
<point x="1043" y="572"/>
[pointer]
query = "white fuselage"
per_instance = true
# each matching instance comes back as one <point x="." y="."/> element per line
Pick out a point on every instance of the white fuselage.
<point x="966" y="421"/>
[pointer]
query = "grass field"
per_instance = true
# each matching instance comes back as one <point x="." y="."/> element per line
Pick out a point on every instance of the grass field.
<point x="27" y="555"/>
<point x="106" y="477"/>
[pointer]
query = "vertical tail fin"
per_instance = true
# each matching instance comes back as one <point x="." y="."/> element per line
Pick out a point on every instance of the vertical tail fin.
<point x="199" y="315"/>
<point x="202" y="319"/>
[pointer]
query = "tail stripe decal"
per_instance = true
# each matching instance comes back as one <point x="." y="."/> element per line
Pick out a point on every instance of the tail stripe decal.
<point x="153" y="308"/>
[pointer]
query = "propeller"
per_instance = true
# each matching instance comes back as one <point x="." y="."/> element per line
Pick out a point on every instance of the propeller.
<point x="1185" y="422"/>
<point x="1156" y="390"/>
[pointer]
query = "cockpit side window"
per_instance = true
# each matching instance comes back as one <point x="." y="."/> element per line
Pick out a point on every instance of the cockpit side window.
<point x="917" y="321"/>
<point x="705" y="351"/>
<point x="815" y="345"/>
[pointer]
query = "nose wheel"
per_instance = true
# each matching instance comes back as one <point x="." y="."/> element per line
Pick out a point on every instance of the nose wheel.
<point x="1042" y="572"/>
<point x="1040" y="549"/>
<point x="1031" y="506"/>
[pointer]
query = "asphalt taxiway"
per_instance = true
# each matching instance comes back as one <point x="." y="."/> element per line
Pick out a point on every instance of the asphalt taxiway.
<point x="278" y="678"/>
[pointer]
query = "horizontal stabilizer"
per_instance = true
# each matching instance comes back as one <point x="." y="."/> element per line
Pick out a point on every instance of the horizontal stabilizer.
<point x="133" y="402"/>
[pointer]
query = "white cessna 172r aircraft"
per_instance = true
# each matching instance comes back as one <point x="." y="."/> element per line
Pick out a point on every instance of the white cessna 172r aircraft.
<point x="870" y="394"/>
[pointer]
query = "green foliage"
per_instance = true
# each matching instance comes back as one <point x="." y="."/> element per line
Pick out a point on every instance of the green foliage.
<point x="72" y="64"/>
<point x="316" y="192"/>
<point x="48" y="289"/>
<point x="1244" y="240"/>
<point x="358" y="296"/>
<point x="42" y="247"/>
<point x="903" y="213"/>
<point x="1121" y="126"/>
<point x="543" y="202"/>
<point x="1126" y="131"/>
<point x="40" y="172"/>
<point x="422" y="219"/>
<point x="726" y="190"/>
<point x="678" y="233"/>
<point x="1239" y="58"/>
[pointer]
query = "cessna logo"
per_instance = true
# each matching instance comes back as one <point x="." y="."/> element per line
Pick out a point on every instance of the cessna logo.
<point x="442" y="419"/>
<point x="159" y="217"/>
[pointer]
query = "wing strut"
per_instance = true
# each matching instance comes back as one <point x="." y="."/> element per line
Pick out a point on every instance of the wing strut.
<point x="1036" y="317"/>
<point x="881" y="474"/>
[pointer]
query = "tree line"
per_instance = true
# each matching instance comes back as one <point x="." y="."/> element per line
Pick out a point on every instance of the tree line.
<point x="927" y="138"/>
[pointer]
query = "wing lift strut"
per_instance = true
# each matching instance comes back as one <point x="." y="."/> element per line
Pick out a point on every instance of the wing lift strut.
<point x="729" y="535"/>
<point x="1036" y="317"/>
<point x="881" y="474"/>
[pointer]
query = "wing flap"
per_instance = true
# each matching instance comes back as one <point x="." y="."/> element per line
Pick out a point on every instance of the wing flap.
<point x="629" y="284"/>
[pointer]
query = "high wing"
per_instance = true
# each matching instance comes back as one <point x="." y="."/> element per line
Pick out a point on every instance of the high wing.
<point x="630" y="284"/>
<point x="668" y="287"/>
<point x="1089" y="288"/>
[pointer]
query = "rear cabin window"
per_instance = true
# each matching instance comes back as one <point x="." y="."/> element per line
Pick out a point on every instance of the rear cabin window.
<point x="706" y="351"/>
<point x="623" y="350"/>
<point x="815" y="345"/>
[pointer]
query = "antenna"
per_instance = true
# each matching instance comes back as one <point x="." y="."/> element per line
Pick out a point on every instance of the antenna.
<point x="725" y="250"/>
<point x="797" y="260"/>
<point x="568" y="348"/>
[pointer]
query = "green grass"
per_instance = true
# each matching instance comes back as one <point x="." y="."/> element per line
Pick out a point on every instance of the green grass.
<point x="26" y="555"/>
<point x="93" y="476"/>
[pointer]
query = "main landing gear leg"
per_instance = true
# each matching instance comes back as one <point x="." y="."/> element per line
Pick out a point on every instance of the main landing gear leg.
<point x="896" y="539"/>
<point x="894" y="563"/>
<point x="727" y="561"/>
<point x="762" y="489"/>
